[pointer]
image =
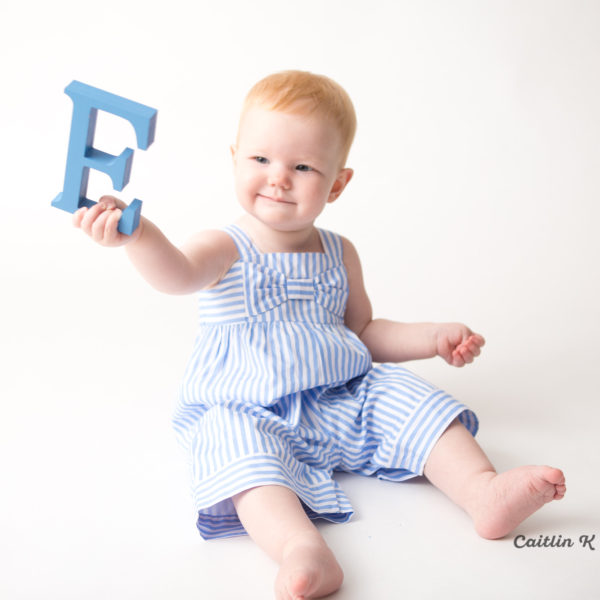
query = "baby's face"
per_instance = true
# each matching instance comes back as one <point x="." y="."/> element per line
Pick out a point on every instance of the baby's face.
<point x="285" y="166"/>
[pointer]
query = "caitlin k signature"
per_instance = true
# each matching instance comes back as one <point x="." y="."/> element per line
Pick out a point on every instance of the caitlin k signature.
<point x="554" y="541"/>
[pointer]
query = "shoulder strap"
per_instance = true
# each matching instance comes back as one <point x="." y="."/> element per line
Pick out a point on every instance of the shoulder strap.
<point x="242" y="241"/>
<point x="332" y="244"/>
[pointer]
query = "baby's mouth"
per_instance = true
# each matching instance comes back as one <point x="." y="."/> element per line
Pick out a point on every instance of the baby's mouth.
<point x="276" y="199"/>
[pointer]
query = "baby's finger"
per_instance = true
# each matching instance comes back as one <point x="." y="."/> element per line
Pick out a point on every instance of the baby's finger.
<point x="89" y="217"/>
<point x="466" y="354"/>
<point x="111" y="233"/>
<point x="78" y="216"/>
<point x="457" y="359"/>
<point x="98" y="230"/>
<point x="473" y="347"/>
<point x="477" y="339"/>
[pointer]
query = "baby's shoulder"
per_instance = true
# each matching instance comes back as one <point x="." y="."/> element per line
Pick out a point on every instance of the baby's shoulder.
<point x="338" y="242"/>
<point x="349" y="251"/>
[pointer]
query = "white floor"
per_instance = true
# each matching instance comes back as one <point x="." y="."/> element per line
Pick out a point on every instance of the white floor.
<point x="94" y="499"/>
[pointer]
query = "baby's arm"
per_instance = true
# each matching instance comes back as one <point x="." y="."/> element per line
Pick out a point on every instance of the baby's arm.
<point x="390" y="341"/>
<point x="201" y="262"/>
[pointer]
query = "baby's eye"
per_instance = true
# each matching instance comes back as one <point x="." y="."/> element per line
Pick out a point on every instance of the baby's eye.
<point x="261" y="160"/>
<point x="303" y="168"/>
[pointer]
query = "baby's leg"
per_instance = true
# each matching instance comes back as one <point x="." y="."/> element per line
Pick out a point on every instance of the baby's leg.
<point x="497" y="503"/>
<point x="276" y="521"/>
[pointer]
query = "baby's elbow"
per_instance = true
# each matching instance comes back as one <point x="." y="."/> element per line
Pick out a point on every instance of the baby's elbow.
<point x="359" y="327"/>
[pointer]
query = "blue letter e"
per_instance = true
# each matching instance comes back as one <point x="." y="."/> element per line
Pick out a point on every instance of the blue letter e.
<point x="82" y="156"/>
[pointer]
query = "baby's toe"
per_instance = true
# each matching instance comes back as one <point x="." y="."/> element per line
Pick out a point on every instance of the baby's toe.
<point x="561" y="490"/>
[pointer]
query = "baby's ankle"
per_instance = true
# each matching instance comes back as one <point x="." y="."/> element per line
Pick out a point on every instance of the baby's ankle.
<point x="476" y="491"/>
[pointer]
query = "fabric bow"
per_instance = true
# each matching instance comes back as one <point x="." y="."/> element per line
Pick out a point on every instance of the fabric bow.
<point x="268" y="288"/>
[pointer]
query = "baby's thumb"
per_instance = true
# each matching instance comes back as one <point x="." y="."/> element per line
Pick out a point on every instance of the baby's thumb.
<point x="110" y="202"/>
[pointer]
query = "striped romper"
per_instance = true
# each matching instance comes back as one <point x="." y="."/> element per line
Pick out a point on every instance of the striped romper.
<point x="279" y="391"/>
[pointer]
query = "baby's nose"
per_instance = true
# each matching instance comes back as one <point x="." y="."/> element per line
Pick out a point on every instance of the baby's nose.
<point x="278" y="177"/>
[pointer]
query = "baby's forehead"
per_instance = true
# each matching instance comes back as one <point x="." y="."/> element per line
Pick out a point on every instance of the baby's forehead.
<point x="301" y="134"/>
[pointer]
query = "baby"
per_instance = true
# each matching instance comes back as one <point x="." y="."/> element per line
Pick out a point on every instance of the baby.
<point x="281" y="389"/>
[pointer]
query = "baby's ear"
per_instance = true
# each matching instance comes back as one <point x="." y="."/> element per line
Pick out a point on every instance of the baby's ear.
<point x="233" y="150"/>
<point x="341" y="181"/>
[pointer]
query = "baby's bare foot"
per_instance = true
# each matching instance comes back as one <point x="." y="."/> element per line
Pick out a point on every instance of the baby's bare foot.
<point x="504" y="500"/>
<point x="308" y="570"/>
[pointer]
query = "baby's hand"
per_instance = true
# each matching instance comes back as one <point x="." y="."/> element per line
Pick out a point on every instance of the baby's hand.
<point x="100" y="222"/>
<point x="457" y="344"/>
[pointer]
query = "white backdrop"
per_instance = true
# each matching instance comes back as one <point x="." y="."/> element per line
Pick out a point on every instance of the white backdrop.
<point x="475" y="198"/>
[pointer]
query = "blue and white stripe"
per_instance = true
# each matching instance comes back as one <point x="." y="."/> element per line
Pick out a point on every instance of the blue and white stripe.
<point x="279" y="392"/>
